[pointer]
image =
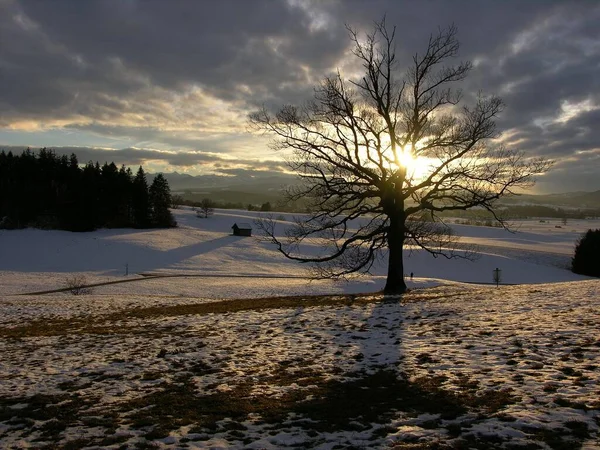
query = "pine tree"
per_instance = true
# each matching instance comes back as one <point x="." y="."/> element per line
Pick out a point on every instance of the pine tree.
<point x="72" y="202"/>
<point x="125" y="198"/>
<point x="586" y="260"/>
<point x="89" y="199"/>
<point x="109" y="193"/>
<point x="5" y="184"/>
<point x="26" y="189"/>
<point x="140" y="200"/>
<point x="160" y="200"/>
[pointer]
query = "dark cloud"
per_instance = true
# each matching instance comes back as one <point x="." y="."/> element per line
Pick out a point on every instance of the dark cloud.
<point x="181" y="75"/>
<point x="180" y="159"/>
<point x="230" y="48"/>
<point x="571" y="138"/>
<point x="572" y="175"/>
<point x="212" y="143"/>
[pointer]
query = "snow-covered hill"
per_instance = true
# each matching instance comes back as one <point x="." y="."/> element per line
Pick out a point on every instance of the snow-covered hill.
<point x="34" y="260"/>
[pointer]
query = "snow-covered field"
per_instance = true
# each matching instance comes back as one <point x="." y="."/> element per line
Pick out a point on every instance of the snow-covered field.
<point x="36" y="260"/>
<point x="195" y="359"/>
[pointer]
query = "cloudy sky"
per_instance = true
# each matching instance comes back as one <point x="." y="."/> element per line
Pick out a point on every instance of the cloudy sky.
<point x="169" y="84"/>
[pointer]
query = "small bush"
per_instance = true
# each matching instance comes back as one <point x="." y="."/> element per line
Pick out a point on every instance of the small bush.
<point x="586" y="260"/>
<point x="77" y="285"/>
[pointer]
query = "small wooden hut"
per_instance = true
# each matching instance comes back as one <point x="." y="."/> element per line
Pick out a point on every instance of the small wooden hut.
<point x="242" y="229"/>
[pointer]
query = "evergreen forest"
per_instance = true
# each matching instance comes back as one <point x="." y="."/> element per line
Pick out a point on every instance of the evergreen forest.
<point x="44" y="190"/>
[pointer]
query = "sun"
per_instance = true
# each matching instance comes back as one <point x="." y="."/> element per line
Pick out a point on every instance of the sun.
<point x="416" y="167"/>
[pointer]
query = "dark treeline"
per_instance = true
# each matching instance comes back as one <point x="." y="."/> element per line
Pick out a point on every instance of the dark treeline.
<point x="527" y="212"/>
<point x="290" y="207"/>
<point x="44" y="190"/>
<point x="279" y="206"/>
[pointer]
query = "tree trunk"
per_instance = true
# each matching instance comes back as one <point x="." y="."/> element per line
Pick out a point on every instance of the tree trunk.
<point x="395" y="279"/>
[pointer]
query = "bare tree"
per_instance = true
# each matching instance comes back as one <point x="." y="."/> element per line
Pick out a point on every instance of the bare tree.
<point x="206" y="208"/>
<point x="355" y="145"/>
<point x="176" y="201"/>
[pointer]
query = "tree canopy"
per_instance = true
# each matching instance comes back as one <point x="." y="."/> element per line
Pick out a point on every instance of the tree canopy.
<point x="394" y="148"/>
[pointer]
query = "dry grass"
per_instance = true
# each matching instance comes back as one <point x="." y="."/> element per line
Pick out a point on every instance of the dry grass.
<point x="116" y="323"/>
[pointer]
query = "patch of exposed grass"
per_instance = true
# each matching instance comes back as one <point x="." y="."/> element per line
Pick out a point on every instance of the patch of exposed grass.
<point x="564" y="402"/>
<point x="559" y="438"/>
<point x="75" y="444"/>
<point x="115" y="323"/>
<point x="492" y="401"/>
<point x="322" y="406"/>
<point x="55" y="412"/>
<point x="421" y="446"/>
<point x="102" y="326"/>
<point x="578" y="428"/>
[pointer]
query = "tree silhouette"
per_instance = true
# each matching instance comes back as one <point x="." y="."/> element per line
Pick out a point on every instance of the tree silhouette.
<point x="47" y="191"/>
<point x="160" y="201"/>
<point x="125" y="200"/>
<point x="354" y="144"/>
<point x="140" y="200"/>
<point x="586" y="260"/>
<point x="88" y="204"/>
<point x="206" y="207"/>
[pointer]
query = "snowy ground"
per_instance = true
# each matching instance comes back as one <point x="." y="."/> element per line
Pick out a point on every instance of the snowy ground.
<point x="177" y="362"/>
<point x="38" y="260"/>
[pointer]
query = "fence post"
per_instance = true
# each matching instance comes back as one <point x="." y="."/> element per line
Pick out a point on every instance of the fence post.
<point x="497" y="276"/>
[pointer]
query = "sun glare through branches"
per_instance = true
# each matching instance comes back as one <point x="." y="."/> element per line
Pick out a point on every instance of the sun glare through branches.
<point x="417" y="167"/>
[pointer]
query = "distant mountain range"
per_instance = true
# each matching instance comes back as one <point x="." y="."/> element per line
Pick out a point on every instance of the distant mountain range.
<point x="250" y="187"/>
<point x="254" y="181"/>
<point x="580" y="200"/>
<point x="258" y="187"/>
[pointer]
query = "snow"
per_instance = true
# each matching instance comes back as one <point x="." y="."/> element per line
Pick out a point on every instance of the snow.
<point x="535" y="342"/>
<point x="35" y="260"/>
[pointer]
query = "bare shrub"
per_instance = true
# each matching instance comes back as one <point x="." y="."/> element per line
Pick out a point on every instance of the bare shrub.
<point x="77" y="285"/>
<point x="206" y="208"/>
<point x="176" y="201"/>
